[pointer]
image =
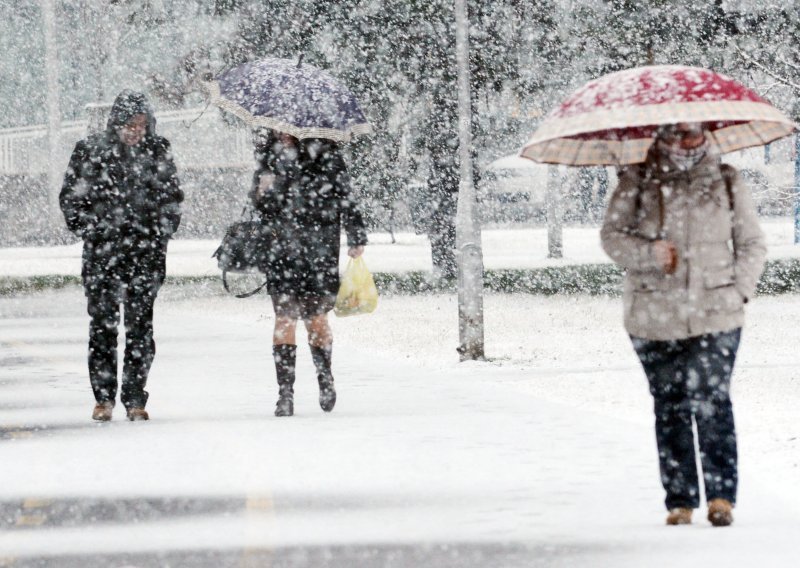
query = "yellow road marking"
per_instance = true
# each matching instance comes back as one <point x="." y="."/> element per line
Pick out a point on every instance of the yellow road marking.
<point x="256" y="556"/>
<point x="35" y="503"/>
<point x="259" y="503"/>
<point x="33" y="518"/>
<point x="18" y="434"/>
<point x="30" y="520"/>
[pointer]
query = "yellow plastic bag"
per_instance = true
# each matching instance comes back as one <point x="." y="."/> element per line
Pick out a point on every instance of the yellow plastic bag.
<point x="357" y="291"/>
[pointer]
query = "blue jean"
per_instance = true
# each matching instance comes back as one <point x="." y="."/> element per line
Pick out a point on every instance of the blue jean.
<point x="690" y="378"/>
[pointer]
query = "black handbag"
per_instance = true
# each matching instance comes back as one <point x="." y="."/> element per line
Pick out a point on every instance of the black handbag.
<point x="244" y="249"/>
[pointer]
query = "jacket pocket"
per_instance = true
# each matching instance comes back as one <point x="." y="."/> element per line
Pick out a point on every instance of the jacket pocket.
<point x="650" y="282"/>
<point x="713" y="279"/>
<point x="721" y="295"/>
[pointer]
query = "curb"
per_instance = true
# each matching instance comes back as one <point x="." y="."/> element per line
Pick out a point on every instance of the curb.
<point x="781" y="276"/>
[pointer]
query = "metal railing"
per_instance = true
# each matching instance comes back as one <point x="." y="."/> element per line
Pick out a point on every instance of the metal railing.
<point x="200" y="140"/>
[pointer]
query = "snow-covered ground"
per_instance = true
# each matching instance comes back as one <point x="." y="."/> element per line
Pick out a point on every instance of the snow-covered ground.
<point x="542" y="456"/>
<point x="502" y="248"/>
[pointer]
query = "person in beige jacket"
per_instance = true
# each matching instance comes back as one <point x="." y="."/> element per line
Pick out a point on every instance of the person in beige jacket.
<point x="685" y="229"/>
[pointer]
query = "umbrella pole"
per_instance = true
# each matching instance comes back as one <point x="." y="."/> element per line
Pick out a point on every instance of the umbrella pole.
<point x="469" y="253"/>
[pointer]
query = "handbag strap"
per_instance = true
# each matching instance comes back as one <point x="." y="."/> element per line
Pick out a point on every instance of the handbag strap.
<point x="244" y="295"/>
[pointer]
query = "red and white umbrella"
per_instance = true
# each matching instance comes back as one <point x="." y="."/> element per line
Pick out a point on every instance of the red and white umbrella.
<point x="612" y="120"/>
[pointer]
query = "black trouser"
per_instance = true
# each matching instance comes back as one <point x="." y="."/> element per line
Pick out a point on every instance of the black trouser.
<point x="690" y="378"/>
<point x="133" y="282"/>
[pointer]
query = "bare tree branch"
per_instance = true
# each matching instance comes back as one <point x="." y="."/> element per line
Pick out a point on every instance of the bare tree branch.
<point x="789" y="64"/>
<point x="766" y="69"/>
<point x="764" y="91"/>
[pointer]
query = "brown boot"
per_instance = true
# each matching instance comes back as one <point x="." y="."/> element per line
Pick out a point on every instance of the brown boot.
<point x="679" y="516"/>
<point x="720" y="512"/>
<point x="102" y="411"/>
<point x="136" y="413"/>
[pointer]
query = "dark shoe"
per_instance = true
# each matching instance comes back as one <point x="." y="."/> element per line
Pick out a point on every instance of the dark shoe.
<point x="679" y="516"/>
<point x="285" y="356"/>
<point x="327" y="392"/>
<point x="720" y="512"/>
<point x="137" y="413"/>
<point x="102" y="411"/>
<point x="285" y="404"/>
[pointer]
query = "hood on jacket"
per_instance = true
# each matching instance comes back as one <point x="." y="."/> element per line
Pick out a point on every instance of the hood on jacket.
<point x="127" y="105"/>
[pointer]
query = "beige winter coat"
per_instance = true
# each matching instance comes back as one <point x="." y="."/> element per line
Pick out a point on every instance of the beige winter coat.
<point x="720" y="251"/>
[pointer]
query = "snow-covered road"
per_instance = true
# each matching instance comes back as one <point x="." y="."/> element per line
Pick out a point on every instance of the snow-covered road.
<point x="543" y="456"/>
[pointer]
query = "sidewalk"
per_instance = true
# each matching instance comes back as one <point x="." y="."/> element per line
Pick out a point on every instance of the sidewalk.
<point x="502" y="249"/>
<point x="524" y="461"/>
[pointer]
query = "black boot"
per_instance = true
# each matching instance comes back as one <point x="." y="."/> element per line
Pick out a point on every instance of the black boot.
<point x="322" y="361"/>
<point x="285" y="356"/>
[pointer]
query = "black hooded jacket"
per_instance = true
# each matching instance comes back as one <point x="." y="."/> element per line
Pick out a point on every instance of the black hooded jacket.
<point x="123" y="201"/>
<point x="114" y="194"/>
<point x="304" y="208"/>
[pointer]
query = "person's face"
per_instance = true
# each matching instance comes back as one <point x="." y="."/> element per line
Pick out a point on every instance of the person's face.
<point x="286" y="140"/>
<point x="133" y="131"/>
<point x="686" y="136"/>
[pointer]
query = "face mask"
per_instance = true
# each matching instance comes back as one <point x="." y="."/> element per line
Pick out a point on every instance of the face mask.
<point x="681" y="158"/>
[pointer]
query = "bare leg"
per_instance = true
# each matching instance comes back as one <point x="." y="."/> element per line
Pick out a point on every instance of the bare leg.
<point x="284" y="333"/>
<point x="319" y="331"/>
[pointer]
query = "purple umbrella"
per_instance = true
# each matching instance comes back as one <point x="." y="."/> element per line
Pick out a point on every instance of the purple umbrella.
<point x="291" y="97"/>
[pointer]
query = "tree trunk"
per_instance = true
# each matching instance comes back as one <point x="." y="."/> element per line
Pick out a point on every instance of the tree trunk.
<point x="468" y="234"/>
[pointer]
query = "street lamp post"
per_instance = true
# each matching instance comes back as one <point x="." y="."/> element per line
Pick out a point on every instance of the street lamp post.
<point x="797" y="188"/>
<point x="53" y="109"/>
<point x="468" y="234"/>
<point x="555" y="227"/>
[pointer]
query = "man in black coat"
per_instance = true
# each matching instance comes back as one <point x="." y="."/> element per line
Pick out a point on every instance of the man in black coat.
<point x="122" y="197"/>
<point x="302" y="191"/>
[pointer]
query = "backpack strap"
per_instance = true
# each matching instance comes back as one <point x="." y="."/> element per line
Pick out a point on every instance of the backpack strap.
<point x="728" y="175"/>
<point x="645" y="173"/>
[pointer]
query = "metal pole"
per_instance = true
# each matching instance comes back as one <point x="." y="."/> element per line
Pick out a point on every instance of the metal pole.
<point x="555" y="227"/>
<point x="797" y="188"/>
<point x="53" y="111"/>
<point x="97" y="117"/>
<point x="469" y="252"/>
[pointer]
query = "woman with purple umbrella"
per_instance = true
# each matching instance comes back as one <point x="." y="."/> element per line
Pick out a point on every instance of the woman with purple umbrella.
<point x="301" y="189"/>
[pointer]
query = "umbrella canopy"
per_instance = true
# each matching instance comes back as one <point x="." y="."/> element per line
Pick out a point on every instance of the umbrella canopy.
<point x="513" y="162"/>
<point x="612" y="120"/>
<point x="291" y="97"/>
